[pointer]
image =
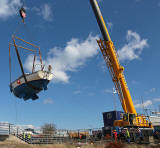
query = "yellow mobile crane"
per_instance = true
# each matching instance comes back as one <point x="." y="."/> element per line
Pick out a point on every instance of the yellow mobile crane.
<point x="130" y="116"/>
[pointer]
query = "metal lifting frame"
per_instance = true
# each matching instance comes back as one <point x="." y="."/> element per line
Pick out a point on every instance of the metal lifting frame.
<point x="33" y="50"/>
<point x="19" y="59"/>
<point x="33" y="46"/>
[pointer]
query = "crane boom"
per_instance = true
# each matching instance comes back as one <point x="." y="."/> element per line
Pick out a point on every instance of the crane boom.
<point x="110" y="56"/>
<point x="130" y="118"/>
<point x="100" y="20"/>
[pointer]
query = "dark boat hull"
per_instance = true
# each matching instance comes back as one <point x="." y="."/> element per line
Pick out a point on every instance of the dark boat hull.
<point x="29" y="91"/>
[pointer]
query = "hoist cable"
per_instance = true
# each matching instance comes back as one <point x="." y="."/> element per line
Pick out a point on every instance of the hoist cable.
<point x="16" y="114"/>
<point x="10" y="70"/>
<point x="30" y="37"/>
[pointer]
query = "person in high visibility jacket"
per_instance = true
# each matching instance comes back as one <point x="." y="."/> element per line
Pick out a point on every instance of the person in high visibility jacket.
<point x="24" y="136"/>
<point x="29" y="136"/>
<point x="127" y="135"/>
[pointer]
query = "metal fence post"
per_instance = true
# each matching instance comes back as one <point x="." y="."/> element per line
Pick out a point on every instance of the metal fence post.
<point x="9" y="128"/>
<point x="17" y="131"/>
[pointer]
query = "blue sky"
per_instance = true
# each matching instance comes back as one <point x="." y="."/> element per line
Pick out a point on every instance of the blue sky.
<point x="81" y="90"/>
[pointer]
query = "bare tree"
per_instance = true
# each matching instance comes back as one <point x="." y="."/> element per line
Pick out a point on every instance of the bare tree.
<point x="48" y="129"/>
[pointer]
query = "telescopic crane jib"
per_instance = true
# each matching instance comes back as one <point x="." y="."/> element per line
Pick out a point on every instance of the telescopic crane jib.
<point x="130" y="118"/>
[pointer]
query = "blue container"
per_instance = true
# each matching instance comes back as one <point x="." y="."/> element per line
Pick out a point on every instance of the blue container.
<point x="109" y="117"/>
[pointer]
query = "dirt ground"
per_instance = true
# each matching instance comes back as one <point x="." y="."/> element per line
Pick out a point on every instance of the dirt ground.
<point x="14" y="142"/>
<point x="22" y="145"/>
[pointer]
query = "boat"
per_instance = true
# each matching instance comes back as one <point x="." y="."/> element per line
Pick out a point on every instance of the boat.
<point x="28" y="85"/>
<point x="36" y="82"/>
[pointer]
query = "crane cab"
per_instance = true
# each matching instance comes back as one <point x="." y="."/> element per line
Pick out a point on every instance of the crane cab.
<point x="128" y="119"/>
<point x="133" y="120"/>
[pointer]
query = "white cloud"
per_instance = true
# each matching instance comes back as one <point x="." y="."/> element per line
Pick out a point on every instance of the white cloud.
<point x="152" y="90"/>
<point x="69" y="58"/>
<point x="143" y="105"/>
<point x="9" y="8"/>
<point x="110" y="25"/>
<point x="156" y="99"/>
<point x="108" y="91"/>
<point x="134" y="82"/>
<point x="102" y="65"/>
<point x="45" y="11"/>
<point x="28" y="64"/>
<point x="48" y="101"/>
<point x="133" y="49"/>
<point x="113" y="91"/>
<point x="74" y="55"/>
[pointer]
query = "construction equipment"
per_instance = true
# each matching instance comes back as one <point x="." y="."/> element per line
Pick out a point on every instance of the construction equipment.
<point x="130" y="117"/>
<point x="78" y="134"/>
